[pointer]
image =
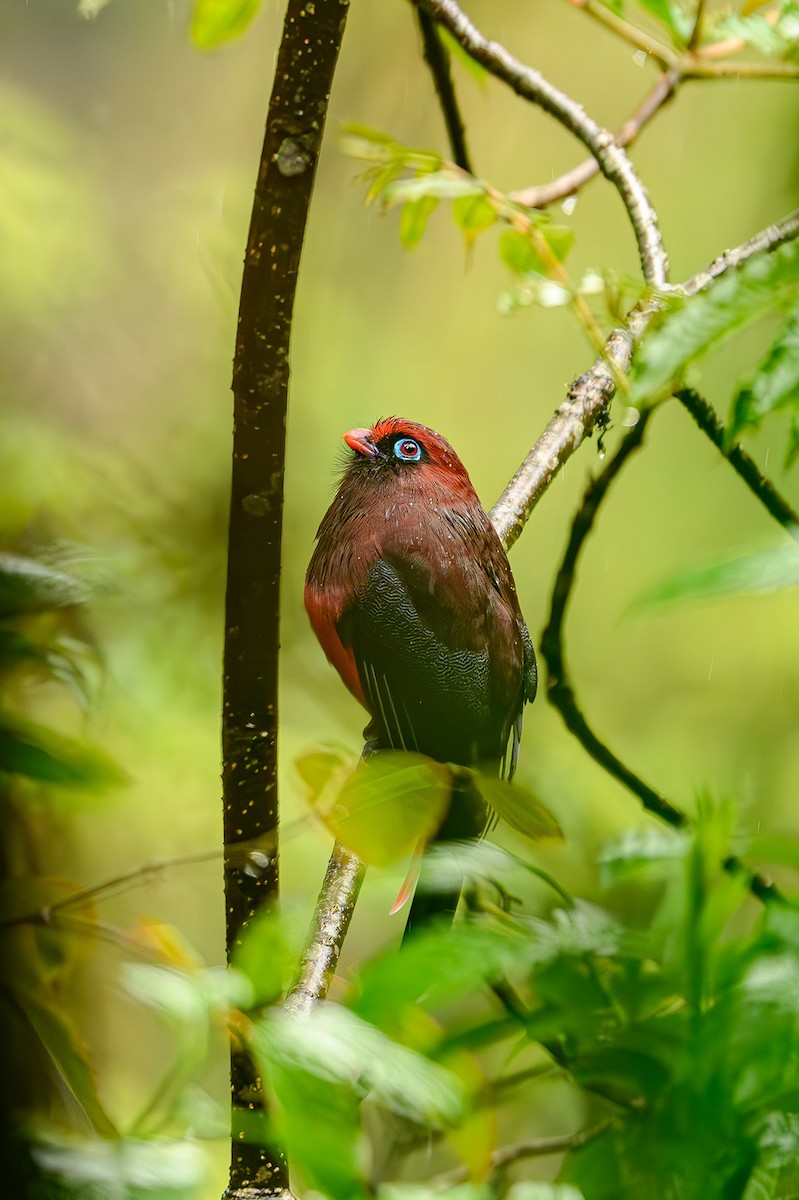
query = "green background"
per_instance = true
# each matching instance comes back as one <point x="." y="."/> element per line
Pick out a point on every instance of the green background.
<point x="127" y="160"/>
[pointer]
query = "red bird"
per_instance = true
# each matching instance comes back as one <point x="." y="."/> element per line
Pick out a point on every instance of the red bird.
<point x="411" y="596"/>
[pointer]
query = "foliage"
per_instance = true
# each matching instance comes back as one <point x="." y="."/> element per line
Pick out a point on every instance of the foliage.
<point x="658" y="1004"/>
<point x="765" y="285"/>
<point x="678" y="1029"/>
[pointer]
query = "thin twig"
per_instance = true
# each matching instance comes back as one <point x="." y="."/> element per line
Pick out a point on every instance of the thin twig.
<point x="767" y="239"/>
<point x="696" y="62"/>
<point x="437" y="59"/>
<point x="570" y="182"/>
<point x="531" y="85"/>
<point x="561" y="692"/>
<point x="664" y="55"/>
<point x="535" y="1148"/>
<point x="740" y="461"/>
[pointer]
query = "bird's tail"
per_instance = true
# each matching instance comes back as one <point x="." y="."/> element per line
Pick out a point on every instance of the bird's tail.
<point x="434" y="899"/>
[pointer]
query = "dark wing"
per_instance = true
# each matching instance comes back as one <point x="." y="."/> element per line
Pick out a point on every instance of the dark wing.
<point x="440" y="657"/>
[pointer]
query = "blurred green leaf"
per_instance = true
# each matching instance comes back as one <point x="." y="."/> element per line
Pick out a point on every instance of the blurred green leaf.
<point x="774" y="386"/>
<point x="27" y="586"/>
<point x="69" y="1054"/>
<point x="518" y="807"/>
<point x="526" y="1189"/>
<point x="442" y="185"/>
<point x="517" y="252"/>
<point x="641" y="848"/>
<point x="217" y="21"/>
<point x="317" y="1121"/>
<point x="780" y="849"/>
<point x="267" y="954"/>
<point x="39" y="754"/>
<point x="670" y="15"/>
<point x="438" y="965"/>
<point x="473" y="215"/>
<point x="156" y="1169"/>
<point x="764" y="571"/>
<point x="335" y="1045"/>
<point x="92" y="8"/>
<point x="774" y="39"/>
<point x="688" y="329"/>
<point x="387" y="805"/>
<point x="413" y="220"/>
<point x="477" y="71"/>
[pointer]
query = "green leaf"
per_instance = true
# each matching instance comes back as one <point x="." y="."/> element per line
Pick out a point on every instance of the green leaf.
<point x="523" y="811"/>
<point x="443" y="185"/>
<point x="670" y="16"/>
<point x="765" y="571"/>
<point x="636" y="849"/>
<point x="477" y="71"/>
<point x="267" y="954"/>
<point x="755" y="31"/>
<point x="775" y="385"/>
<point x="70" y="1056"/>
<point x="39" y="754"/>
<point x="473" y="214"/>
<point x="527" y="1190"/>
<point x="413" y="220"/>
<point x="779" y="849"/>
<point x="517" y="249"/>
<point x="335" y="1045"/>
<point x="689" y="329"/>
<point x="387" y="805"/>
<point x="217" y="21"/>
<point x="438" y="965"/>
<point x="92" y="8"/>
<point x="27" y="586"/>
<point x="159" y="1170"/>
<point x="517" y="252"/>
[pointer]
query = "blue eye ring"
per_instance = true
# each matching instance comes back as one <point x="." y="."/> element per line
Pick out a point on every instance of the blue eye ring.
<point x="407" y="449"/>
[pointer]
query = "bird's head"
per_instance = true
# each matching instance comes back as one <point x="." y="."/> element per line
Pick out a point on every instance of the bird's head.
<point x="397" y="449"/>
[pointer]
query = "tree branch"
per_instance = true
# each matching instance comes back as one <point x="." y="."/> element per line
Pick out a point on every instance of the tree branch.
<point x="767" y="239"/>
<point x="535" y="1148"/>
<point x="571" y="182"/>
<point x="437" y="59"/>
<point x="561" y="692"/>
<point x="295" y="121"/>
<point x="531" y="85"/>
<point x="329" y="926"/>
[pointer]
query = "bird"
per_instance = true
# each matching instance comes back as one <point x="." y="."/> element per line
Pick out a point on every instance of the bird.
<point x="411" y="596"/>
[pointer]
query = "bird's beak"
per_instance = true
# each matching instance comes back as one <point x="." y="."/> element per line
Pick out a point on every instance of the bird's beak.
<point x="360" y="440"/>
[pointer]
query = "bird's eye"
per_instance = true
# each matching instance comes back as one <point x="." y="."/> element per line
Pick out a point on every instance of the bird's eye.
<point x="407" y="449"/>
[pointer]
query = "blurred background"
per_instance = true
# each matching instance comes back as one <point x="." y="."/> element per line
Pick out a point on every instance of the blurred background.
<point x="127" y="161"/>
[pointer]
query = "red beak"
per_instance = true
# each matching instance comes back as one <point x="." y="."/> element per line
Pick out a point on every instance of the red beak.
<point x="360" y="440"/>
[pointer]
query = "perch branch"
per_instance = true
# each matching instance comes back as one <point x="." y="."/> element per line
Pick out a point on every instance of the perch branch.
<point x="531" y="85"/>
<point x="437" y="59"/>
<point x="306" y="61"/>
<point x="329" y="926"/>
